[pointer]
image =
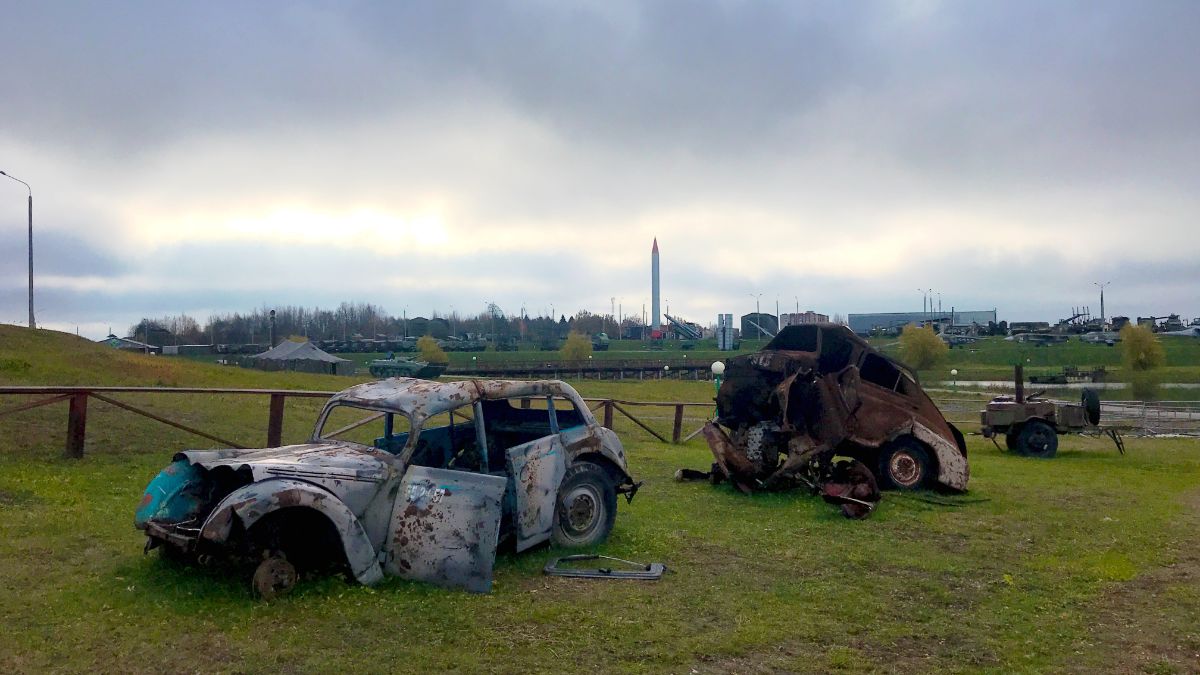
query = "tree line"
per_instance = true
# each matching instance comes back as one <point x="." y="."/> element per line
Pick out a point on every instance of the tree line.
<point x="356" y="321"/>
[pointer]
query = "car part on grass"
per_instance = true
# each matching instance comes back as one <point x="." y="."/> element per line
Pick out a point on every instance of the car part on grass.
<point x="816" y="393"/>
<point x="1032" y="424"/>
<point x="647" y="572"/>
<point x="452" y="469"/>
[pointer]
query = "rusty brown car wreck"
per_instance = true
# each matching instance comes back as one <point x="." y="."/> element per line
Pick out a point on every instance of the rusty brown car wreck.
<point x="820" y="408"/>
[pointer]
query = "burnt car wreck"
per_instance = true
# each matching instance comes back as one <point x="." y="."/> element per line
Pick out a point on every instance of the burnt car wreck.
<point x="820" y="408"/>
<point x="417" y="479"/>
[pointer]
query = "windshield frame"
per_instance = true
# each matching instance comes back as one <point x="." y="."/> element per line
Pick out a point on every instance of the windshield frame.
<point x="389" y="414"/>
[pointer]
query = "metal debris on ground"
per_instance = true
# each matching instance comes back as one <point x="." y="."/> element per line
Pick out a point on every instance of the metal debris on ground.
<point x="648" y="572"/>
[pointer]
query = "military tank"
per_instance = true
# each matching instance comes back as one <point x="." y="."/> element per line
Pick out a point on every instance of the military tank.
<point x="406" y="367"/>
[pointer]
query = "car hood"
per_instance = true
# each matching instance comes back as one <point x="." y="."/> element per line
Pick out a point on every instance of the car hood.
<point x="334" y="461"/>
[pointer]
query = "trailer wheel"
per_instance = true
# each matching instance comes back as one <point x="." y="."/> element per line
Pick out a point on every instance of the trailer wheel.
<point x="1037" y="439"/>
<point x="1091" y="406"/>
<point x="904" y="464"/>
<point x="1010" y="438"/>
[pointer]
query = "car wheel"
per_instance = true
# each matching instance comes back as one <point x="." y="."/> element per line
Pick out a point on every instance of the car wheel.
<point x="586" y="506"/>
<point x="274" y="577"/>
<point x="1038" y="439"/>
<point x="904" y="464"/>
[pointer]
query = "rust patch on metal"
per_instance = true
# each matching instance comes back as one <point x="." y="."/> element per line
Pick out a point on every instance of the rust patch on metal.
<point x="817" y="392"/>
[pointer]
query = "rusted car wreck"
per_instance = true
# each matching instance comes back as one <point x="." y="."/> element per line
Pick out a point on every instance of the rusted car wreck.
<point x="406" y="477"/>
<point x="818" y="392"/>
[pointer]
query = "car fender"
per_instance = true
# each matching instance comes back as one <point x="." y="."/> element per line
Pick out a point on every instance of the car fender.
<point x="953" y="470"/>
<point x="250" y="503"/>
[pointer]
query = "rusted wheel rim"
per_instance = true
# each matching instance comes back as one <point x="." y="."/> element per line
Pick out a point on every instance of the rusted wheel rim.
<point x="274" y="577"/>
<point x="905" y="469"/>
<point x="583" y="505"/>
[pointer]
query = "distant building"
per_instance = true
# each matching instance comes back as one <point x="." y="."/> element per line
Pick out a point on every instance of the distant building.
<point x="726" y="334"/>
<point x="759" y="326"/>
<point x="128" y="344"/>
<point x="799" y="318"/>
<point x="863" y="324"/>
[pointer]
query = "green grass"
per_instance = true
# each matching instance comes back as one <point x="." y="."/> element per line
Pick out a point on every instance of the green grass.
<point x="1088" y="562"/>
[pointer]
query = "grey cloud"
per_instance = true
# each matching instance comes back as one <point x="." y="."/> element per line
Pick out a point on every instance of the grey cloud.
<point x="56" y="252"/>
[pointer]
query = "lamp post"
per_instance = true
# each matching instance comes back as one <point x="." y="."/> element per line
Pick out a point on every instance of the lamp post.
<point x="757" y="296"/>
<point x="954" y="374"/>
<point x="718" y="370"/>
<point x="30" y="203"/>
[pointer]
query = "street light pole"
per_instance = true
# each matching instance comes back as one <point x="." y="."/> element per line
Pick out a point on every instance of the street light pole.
<point x="30" y="203"/>
<point x="758" y="331"/>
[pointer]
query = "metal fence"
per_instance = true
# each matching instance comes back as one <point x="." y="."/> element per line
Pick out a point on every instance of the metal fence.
<point x="1138" y="417"/>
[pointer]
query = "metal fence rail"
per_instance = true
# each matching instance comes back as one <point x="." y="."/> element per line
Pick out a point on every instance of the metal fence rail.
<point x="1157" y="417"/>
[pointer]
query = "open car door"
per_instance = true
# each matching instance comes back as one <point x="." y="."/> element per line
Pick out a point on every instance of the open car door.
<point x="536" y="469"/>
<point x="444" y="528"/>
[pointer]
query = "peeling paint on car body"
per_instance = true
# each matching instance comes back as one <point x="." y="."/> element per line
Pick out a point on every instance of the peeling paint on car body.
<point x="392" y="510"/>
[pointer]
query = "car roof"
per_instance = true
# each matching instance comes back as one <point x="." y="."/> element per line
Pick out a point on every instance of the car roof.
<point x="421" y="399"/>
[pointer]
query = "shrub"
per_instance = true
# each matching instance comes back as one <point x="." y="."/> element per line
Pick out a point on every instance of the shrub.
<point x="1142" y="354"/>
<point x="1143" y="385"/>
<point x="577" y="347"/>
<point x="921" y="348"/>
<point x="1141" y="349"/>
<point x="431" y="352"/>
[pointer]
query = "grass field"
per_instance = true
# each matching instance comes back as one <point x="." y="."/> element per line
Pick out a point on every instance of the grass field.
<point x="989" y="359"/>
<point x="1088" y="562"/>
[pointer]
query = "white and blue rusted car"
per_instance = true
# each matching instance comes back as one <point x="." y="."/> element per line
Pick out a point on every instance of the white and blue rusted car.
<point x="406" y="477"/>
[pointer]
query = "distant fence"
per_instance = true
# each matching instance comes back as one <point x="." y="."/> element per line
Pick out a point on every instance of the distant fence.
<point x="641" y="369"/>
<point x="664" y="421"/>
<point x="1162" y="417"/>
<point x="668" y="422"/>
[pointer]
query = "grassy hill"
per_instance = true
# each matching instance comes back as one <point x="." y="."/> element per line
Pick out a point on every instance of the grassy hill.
<point x="53" y="358"/>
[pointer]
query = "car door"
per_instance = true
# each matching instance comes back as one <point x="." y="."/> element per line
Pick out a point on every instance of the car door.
<point x="444" y="528"/>
<point x="535" y="469"/>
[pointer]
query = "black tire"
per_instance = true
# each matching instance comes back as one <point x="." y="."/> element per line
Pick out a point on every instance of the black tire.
<point x="586" y="506"/>
<point x="904" y="465"/>
<point x="1091" y="406"/>
<point x="1010" y="438"/>
<point x="1037" y="439"/>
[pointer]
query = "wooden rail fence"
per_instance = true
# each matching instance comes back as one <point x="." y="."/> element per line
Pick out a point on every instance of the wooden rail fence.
<point x="1166" y="417"/>
<point x="78" y="410"/>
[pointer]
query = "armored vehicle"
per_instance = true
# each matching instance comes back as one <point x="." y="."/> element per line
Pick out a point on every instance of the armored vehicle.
<point x="600" y="342"/>
<point x="406" y="367"/>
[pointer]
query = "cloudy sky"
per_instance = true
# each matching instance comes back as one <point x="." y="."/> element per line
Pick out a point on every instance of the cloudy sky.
<point x="218" y="157"/>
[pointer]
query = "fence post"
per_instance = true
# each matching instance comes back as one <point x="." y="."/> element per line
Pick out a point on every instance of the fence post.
<point x="275" y="422"/>
<point x="677" y="429"/>
<point x="76" y="425"/>
<point x="608" y="417"/>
